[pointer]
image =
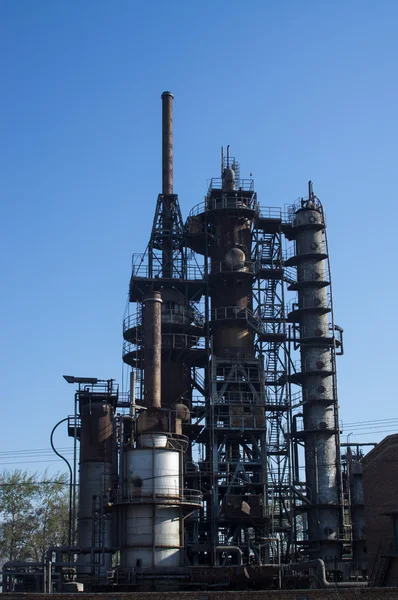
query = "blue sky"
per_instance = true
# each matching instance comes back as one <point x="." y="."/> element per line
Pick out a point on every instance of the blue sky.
<point x="300" y="90"/>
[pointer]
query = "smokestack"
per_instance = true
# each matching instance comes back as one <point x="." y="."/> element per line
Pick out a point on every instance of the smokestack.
<point x="167" y="143"/>
<point x="152" y="321"/>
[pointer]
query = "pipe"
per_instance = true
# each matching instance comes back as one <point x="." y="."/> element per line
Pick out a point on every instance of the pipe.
<point x="70" y="478"/>
<point x="167" y="143"/>
<point x="152" y="321"/>
<point x="49" y="577"/>
<point x="319" y="565"/>
<point x="220" y="549"/>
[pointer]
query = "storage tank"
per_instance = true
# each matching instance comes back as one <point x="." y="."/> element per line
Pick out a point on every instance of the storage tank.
<point x="154" y="502"/>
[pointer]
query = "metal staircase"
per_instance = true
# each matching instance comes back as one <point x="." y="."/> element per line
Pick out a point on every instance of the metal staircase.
<point x="382" y="563"/>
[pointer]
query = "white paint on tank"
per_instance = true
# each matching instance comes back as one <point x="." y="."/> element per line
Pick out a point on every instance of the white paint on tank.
<point x="152" y="470"/>
<point x="152" y="531"/>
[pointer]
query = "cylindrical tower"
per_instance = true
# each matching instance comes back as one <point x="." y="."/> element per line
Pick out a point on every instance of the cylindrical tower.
<point x="154" y="502"/>
<point x="316" y="375"/>
<point x="95" y="481"/>
<point x="235" y="400"/>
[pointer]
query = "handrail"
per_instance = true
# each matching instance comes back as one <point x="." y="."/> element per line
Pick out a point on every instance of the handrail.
<point x="290" y="274"/>
<point x="183" y="315"/>
<point x="177" y="341"/>
<point x="239" y="398"/>
<point x="291" y="251"/>
<point x="309" y="302"/>
<point x="245" y="314"/>
<point x="240" y="184"/>
<point x="271" y="212"/>
<point x="252" y="375"/>
<point x="303" y="332"/>
<point x="172" y="494"/>
<point x="227" y="200"/>
<point x="191" y="272"/>
<point x="309" y="203"/>
<point x="245" y="266"/>
<point x="309" y="366"/>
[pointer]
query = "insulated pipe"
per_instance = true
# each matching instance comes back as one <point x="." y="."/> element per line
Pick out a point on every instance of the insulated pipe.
<point x="319" y="565"/>
<point x="167" y="143"/>
<point x="152" y="322"/>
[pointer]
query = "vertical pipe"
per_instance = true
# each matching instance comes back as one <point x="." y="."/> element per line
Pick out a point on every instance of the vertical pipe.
<point x="152" y="321"/>
<point x="167" y="143"/>
<point x="132" y="392"/>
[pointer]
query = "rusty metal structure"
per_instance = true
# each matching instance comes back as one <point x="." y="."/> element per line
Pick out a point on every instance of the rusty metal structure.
<point x="219" y="464"/>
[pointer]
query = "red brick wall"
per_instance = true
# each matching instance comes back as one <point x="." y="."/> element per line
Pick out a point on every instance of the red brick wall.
<point x="380" y="483"/>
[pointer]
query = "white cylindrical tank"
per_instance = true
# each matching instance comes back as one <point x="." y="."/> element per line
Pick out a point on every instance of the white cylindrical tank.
<point x="152" y="529"/>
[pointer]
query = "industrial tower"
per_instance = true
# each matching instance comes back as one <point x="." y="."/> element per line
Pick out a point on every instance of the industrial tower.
<point x="254" y="373"/>
<point x="221" y="464"/>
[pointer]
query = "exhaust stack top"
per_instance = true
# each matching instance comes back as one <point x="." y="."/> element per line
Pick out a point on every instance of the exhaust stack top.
<point x="167" y="143"/>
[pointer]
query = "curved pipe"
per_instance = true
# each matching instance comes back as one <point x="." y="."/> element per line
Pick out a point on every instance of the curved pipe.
<point x="319" y="565"/>
<point x="70" y="478"/>
<point x="220" y="549"/>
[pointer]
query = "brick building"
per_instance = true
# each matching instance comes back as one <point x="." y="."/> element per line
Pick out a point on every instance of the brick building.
<point x="380" y="484"/>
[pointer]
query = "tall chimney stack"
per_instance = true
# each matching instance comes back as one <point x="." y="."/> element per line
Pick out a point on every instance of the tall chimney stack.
<point x="152" y="321"/>
<point x="167" y="143"/>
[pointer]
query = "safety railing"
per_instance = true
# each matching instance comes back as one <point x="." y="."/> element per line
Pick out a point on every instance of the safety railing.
<point x="182" y="341"/>
<point x="227" y="200"/>
<point x="159" y="495"/>
<point x="296" y="399"/>
<point x="304" y="332"/>
<point x="74" y="425"/>
<point x="291" y="251"/>
<point x="246" y="185"/>
<point x="271" y="213"/>
<point x="178" y="316"/>
<point x="309" y="366"/>
<point x="170" y="341"/>
<point x="249" y="375"/>
<point x="301" y="203"/>
<point x="276" y="402"/>
<point x="248" y="421"/>
<point x="321" y="302"/>
<point x="234" y="312"/>
<point x="191" y="272"/>
<point x="290" y="274"/>
<point x="198" y="401"/>
<point x="132" y="321"/>
<point x="239" y="398"/>
<point x="236" y="266"/>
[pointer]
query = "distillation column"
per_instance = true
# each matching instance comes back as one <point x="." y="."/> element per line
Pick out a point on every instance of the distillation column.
<point x="95" y="481"/>
<point x="234" y="469"/>
<point x="316" y="375"/>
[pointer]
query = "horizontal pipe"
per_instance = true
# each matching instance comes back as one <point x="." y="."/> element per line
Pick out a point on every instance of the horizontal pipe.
<point x="319" y="565"/>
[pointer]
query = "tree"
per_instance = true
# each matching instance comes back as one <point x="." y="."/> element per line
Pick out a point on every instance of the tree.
<point x="33" y="514"/>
